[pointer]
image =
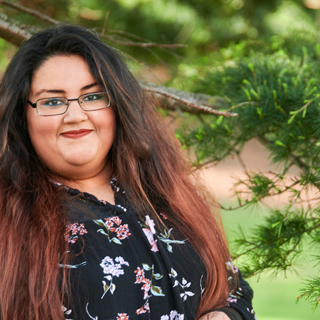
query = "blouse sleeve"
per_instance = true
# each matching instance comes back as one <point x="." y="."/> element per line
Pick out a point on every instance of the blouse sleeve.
<point x="240" y="299"/>
<point x="239" y="305"/>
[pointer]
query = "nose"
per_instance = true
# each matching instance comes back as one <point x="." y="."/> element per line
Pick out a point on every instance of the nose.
<point x="74" y="113"/>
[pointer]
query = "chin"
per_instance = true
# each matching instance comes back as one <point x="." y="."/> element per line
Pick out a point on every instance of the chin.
<point x="81" y="157"/>
<point x="78" y="171"/>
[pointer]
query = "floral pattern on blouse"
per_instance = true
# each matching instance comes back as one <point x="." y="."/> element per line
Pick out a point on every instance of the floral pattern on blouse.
<point x="113" y="224"/>
<point x="184" y="284"/>
<point x="150" y="232"/>
<point x="66" y="312"/>
<point x="120" y="316"/>
<point x="125" y="269"/>
<point x="148" y="285"/>
<point x="112" y="269"/>
<point x="174" y="315"/>
<point x="76" y="229"/>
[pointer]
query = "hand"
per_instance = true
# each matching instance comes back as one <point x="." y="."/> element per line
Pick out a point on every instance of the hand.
<point x="216" y="315"/>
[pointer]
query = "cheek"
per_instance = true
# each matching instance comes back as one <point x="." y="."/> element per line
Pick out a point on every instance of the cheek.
<point x="107" y="126"/>
<point x="42" y="134"/>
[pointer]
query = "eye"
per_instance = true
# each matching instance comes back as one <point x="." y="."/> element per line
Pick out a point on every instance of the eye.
<point x="53" y="102"/>
<point x="93" y="97"/>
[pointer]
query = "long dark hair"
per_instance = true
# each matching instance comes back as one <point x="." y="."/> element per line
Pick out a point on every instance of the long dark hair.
<point x="145" y="158"/>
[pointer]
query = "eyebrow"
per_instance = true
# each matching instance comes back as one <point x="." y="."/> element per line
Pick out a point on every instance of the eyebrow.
<point x="89" y="86"/>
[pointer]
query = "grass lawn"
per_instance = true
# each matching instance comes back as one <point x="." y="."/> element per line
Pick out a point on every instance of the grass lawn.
<point x="274" y="298"/>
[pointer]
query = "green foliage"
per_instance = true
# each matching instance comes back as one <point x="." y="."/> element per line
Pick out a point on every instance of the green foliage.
<point x="277" y="98"/>
<point x="278" y="243"/>
<point x="275" y="89"/>
<point x="203" y="25"/>
<point x="268" y="92"/>
<point x="311" y="292"/>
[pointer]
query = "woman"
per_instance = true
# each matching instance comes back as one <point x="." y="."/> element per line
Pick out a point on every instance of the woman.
<point x="99" y="215"/>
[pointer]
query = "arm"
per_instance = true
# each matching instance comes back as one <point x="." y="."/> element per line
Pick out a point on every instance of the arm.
<point x="216" y="315"/>
<point x="239" y="304"/>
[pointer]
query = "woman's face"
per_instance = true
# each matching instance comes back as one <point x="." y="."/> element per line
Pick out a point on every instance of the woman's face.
<point x="75" y="144"/>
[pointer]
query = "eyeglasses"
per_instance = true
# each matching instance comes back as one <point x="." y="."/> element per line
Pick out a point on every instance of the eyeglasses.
<point x="56" y="106"/>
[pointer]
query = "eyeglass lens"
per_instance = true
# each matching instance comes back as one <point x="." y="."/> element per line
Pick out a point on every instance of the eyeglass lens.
<point x="88" y="102"/>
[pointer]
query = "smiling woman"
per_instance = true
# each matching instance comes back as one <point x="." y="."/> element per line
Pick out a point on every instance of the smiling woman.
<point x="100" y="218"/>
<point x="76" y="143"/>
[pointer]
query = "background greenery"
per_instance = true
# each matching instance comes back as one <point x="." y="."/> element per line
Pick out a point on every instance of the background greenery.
<point x="274" y="297"/>
<point x="262" y="58"/>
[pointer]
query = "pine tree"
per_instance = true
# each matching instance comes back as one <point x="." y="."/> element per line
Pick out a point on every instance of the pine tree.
<point x="275" y="89"/>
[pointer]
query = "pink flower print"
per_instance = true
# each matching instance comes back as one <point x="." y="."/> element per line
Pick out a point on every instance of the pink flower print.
<point x="116" y="220"/>
<point x="123" y="232"/>
<point x="145" y="308"/>
<point x="153" y="243"/>
<point x="122" y="316"/>
<point x="150" y="223"/>
<point x="75" y="229"/>
<point x="164" y="216"/>
<point x="149" y="232"/>
<point x="146" y="288"/>
<point x="110" y="222"/>
<point x="140" y="278"/>
<point x="113" y="224"/>
<point x="232" y="300"/>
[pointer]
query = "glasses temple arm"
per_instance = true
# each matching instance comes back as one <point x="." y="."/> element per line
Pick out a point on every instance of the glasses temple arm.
<point x="33" y="105"/>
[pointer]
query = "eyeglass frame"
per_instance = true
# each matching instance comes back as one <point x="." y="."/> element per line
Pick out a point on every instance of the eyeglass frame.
<point x="34" y="105"/>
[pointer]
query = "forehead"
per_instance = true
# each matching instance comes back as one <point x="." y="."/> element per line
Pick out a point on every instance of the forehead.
<point x="63" y="73"/>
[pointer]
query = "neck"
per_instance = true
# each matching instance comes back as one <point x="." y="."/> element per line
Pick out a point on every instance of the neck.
<point x="97" y="185"/>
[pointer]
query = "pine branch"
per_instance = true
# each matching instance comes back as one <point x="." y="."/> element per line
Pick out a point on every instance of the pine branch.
<point x="37" y="14"/>
<point x="243" y="165"/>
<point x="295" y="159"/>
<point x="259" y="197"/>
<point x="294" y="247"/>
<point x="141" y="44"/>
<point x="311" y="292"/>
<point x="245" y="252"/>
<point x="188" y="101"/>
<point x="169" y="98"/>
<point x="105" y="23"/>
<point x="312" y="228"/>
<point x="129" y="35"/>
<point x="11" y="32"/>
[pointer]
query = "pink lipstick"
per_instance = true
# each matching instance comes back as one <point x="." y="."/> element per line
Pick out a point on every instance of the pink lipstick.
<point x="76" y="134"/>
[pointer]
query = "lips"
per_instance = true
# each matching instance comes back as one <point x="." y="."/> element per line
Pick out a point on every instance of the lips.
<point x="76" y="134"/>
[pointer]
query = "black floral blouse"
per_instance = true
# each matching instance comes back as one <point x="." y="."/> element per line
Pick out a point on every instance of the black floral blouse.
<point x="123" y="267"/>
